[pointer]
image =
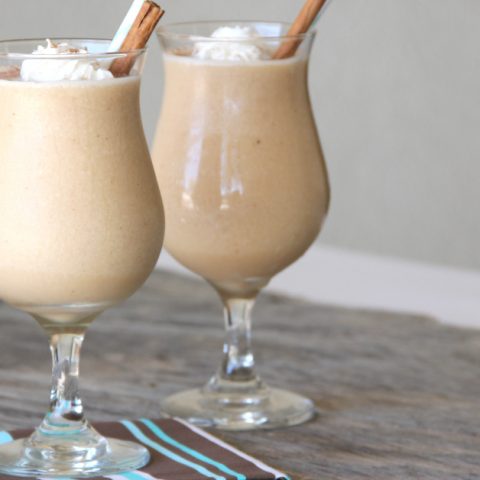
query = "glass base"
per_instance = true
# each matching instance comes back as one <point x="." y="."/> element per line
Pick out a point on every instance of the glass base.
<point x="266" y="408"/>
<point x="19" y="459"/>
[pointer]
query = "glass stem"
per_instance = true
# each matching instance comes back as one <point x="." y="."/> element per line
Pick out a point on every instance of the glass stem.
<point x="238" y="361"/>
<point x="64" y="432"/>
<point x="66" y="409"/>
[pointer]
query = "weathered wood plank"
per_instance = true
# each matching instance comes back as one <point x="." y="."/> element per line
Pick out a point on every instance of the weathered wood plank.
<point x="398" y="394"/>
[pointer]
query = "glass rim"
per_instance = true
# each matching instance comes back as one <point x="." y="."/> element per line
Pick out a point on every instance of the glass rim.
<point x="69" y="56"/>
<point x="165" y="32"/>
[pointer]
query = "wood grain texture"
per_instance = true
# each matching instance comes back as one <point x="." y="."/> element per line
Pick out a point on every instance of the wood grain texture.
<point x="398" y="395"/>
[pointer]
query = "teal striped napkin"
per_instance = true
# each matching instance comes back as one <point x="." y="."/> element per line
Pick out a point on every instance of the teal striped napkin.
<point x="179" y="451"/>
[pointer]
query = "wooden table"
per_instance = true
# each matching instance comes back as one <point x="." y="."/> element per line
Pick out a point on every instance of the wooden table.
<point x="398" y="395"/>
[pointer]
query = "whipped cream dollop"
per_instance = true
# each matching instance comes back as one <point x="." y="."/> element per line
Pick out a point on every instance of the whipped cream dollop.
<point x="248" y="49"/>
<point x="52" y="70"/>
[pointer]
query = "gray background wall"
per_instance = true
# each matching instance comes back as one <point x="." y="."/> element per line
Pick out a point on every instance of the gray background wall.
<point x="396" y="90"/>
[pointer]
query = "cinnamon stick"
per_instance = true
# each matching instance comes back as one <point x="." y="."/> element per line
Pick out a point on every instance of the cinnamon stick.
<point x="137" y="37"/>
<point x="302" y="24"/>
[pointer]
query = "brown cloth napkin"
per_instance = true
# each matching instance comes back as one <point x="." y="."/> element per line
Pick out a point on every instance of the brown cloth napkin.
<point x="179" y="451"/>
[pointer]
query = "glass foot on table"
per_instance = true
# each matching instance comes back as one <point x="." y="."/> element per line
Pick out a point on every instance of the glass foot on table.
<point x="18" y="459"/>
<point x="268" y="408"/>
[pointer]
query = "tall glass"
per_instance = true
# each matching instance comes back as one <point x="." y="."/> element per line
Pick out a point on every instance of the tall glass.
<point x="81" y="227"/>
<point x="245" y="189"/>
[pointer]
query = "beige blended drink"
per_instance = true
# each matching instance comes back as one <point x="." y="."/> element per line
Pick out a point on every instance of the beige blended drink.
<point x="241" y="174"/>
<point x="81" y="215"/>
<point x="81" y="226"/>
<point x="245" y="189"/>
